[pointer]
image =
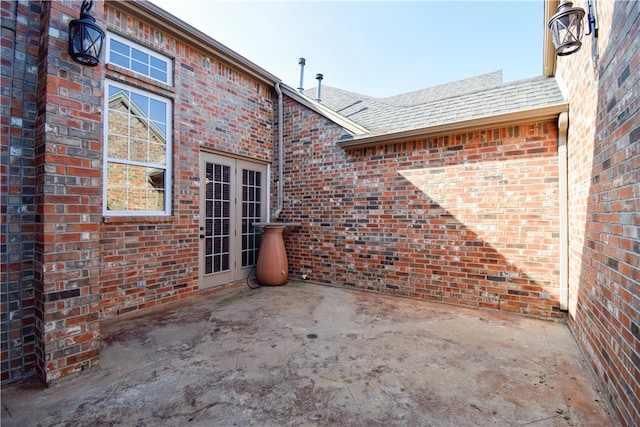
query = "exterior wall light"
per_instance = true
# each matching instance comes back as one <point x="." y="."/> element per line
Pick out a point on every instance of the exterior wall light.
<point x="567" y="28"/>
<point x="85" y="37"/>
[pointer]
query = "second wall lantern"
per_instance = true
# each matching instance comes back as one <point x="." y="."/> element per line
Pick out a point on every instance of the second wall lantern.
<point x="567" y="27"/>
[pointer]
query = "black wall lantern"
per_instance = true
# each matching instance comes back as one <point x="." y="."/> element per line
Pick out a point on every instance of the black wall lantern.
<point x="85" y="37"/>
<point x="567" y="28"/>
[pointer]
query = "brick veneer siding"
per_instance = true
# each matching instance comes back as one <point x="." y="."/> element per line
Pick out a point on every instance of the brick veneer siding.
<point x="70" y="265"/>
<point x="20" y="40"/>
<point x="468" y="218"/>
<point x="149" y="261"/>
<point x="68" y="169"/>
<point x="603" y="88"/>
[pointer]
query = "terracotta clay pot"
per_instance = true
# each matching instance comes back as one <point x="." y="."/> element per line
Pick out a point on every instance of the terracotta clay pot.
<point x="272" y="268"/>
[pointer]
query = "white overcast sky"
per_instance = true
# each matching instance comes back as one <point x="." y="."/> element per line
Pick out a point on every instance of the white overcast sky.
<point x="373" y="47"/>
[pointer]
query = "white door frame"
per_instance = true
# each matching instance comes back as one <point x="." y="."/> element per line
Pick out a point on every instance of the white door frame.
<point x="233" y="196"/>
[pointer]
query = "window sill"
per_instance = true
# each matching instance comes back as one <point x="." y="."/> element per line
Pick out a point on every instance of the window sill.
<point x="136" y="219"/>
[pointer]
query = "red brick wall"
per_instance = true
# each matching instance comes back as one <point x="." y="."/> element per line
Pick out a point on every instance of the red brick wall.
<point x="148" y="261"/>
<point x="468" y="218"/>
<point x="603" y="88"/>
<point x="68" y="198"/>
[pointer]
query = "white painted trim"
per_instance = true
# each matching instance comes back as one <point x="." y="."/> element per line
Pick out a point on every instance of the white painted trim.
<point x="169" y="150"/>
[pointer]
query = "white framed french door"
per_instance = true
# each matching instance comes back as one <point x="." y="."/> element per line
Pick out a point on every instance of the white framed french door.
<point x="233" y="197"/>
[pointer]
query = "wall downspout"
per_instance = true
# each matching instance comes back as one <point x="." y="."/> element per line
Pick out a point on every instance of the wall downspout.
<point x="276" y="213"/>
<point x="268" y="209"/>
<point x="563" y="130"/>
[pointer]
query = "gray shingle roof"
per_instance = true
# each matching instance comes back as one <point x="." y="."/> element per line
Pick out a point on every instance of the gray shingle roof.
<point x="447" y="90"/>
<point x="480" y="96"/>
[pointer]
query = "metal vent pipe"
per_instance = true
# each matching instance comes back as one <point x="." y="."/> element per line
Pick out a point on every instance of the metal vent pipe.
<point x="319" y="77"/>
<point x="301" y="62"/>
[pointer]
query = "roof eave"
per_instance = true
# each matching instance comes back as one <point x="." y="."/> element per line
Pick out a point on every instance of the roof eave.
<point x="166" y="22"/>
<point x="540" y="113"/>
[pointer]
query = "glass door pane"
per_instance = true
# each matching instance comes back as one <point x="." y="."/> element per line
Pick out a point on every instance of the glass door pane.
<point x="251" y="213"/>
<point x="217" y="232"/>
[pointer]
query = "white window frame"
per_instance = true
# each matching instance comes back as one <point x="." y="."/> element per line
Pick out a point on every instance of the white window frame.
<point x="168" y="182"/>
<point x="151" y="53"/>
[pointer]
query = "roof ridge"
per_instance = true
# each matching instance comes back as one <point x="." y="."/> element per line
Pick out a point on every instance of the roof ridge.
<point x="384" y="100"/>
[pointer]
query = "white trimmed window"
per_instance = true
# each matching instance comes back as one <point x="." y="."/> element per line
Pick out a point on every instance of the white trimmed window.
<point x="137" y="161"/>
<point x="139" y="59"/>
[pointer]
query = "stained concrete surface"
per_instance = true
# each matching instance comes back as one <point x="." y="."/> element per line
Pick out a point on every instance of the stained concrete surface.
<point x="304" y="354"/>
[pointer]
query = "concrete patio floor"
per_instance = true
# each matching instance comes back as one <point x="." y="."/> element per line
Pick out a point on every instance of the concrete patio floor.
<point x="304" y="354"/>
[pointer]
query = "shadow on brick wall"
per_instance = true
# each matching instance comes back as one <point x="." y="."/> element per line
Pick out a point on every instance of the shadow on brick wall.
<point x="472" y="223"/>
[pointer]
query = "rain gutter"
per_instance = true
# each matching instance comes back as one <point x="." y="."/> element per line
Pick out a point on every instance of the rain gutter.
<point x="373" y="139"/>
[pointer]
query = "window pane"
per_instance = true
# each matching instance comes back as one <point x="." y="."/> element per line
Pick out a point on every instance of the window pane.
<point x="136" y="150"/>
<point x="225" y="261"/>
<point x="139" y="67"/>
<point x="140" y="104"/>
<point x="116" y="187"/>
<point x="117" y="147"/>
<point x="139" y="128"/>
<point x="157" y="110"/>
<point x="208" y="267"/>
<point x="116" y="58"/>
<point x="139" y="56"/>
<point x="157" y="154"/>
<point x="116" y="92"/>
<point x="119" y="47"/>
<point x="209" y="206"/>
<point x="209" y="190"/>
<point x="118" y="120"/>
<point x="158" y="132"/>
<point x="159" y="64"/>
<point x="135" y="57"/>
<point x="158" y="75"/>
